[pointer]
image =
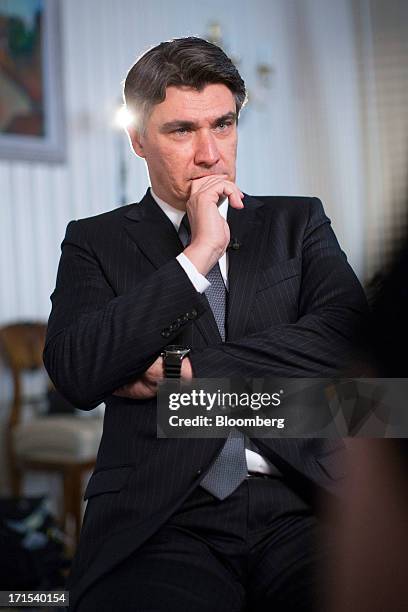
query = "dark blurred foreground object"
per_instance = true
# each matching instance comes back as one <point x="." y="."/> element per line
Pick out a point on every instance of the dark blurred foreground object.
<point x="61" y="443"/>
<point x="389" y="303"/>
<point x="31" y="545"/>
<point x="370" y="568"/>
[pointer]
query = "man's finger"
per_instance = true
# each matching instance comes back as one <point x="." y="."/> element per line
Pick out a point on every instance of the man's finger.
<point x="234" y="195"/>
<point x="204" y="182"/>
<point x="219" y="186"/>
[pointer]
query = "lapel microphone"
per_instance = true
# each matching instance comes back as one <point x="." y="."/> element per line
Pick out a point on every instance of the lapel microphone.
<point x="234" y="244"/>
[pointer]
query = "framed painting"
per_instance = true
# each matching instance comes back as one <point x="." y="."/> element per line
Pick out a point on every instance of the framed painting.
<point x="31" y="99"/>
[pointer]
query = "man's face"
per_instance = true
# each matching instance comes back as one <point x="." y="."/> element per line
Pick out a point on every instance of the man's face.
<point x="190" y="135"/>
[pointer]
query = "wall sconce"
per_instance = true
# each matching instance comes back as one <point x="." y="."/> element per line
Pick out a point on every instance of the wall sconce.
<point x="122" y="119"/>
<point x="264" y="71"/>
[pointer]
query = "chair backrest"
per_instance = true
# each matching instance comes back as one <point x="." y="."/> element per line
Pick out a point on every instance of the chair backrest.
<point x="22" y="345"/>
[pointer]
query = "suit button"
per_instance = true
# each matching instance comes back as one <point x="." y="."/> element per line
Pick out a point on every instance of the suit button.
<point x="192" y="314"/>
<point x="165" y="333"/>
<point x="199" y="472"/>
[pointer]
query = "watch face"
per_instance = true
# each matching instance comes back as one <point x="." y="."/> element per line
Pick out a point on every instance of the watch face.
<point x="176" y="349"/>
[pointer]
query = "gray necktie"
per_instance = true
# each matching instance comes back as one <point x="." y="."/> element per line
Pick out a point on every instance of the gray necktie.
<point x="216" y="293"/>
<point x="229" y="469"/>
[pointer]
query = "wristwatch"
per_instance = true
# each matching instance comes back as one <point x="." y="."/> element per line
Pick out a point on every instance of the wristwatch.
<point x="173" y="355"/>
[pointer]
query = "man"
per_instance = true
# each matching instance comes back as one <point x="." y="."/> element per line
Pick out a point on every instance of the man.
<point x="197" y="524"/>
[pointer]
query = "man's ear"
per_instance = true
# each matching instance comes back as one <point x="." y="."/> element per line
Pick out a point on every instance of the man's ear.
<point x="136" y="140"/>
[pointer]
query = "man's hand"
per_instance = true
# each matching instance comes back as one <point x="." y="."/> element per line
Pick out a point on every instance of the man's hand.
<point x="210" y="233"/>
<point x="145" y="387"/>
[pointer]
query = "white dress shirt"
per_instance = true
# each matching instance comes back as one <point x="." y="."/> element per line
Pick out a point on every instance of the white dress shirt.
<point x="255" y="462"/>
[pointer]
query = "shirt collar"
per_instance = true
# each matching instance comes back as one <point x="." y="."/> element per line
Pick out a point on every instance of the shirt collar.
<point x="175" y="215"/>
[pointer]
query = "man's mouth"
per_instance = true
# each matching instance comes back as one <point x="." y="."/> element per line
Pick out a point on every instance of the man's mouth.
<point x="195" y="178"/>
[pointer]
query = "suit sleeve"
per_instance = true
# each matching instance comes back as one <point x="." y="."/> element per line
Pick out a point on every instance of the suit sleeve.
<point x="323" y="341"/>
<point x="96" y="341"/>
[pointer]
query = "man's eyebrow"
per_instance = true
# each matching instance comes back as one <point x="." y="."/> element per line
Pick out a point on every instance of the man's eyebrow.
<point x="231" y="116"/>
<point x="178" y="124"/>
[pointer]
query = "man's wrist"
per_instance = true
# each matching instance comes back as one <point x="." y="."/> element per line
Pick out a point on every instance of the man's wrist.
<point x="199" y="281"/>
<point x="186" y="369"/>
<point x="202" y="257"/>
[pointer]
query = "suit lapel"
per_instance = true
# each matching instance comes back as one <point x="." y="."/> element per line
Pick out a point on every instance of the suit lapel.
<point x="248" y="228"/>
<point x="153" y="232"/>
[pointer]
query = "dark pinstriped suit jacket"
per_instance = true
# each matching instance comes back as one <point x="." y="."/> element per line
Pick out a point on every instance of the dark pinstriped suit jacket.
<point x="294" y="306"/>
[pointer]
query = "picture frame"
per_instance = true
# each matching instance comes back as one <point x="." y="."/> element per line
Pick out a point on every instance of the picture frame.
<point x="32" y="118"/>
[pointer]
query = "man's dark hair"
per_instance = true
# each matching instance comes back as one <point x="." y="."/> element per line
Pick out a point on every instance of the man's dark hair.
<point x="189" y="62"/>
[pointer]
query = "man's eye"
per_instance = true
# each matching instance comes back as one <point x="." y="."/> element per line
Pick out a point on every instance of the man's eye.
<point x="181" y="131"/>
<point x="223" y="125"/>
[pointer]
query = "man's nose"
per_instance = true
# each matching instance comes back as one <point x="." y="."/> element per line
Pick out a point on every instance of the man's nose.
<point x="206" y="151"/>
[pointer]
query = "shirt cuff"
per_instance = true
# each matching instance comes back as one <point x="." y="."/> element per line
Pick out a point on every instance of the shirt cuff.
<point x="199" y="281"/>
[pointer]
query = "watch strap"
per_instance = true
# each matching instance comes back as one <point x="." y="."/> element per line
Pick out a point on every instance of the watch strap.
<point x="172" y="366"/>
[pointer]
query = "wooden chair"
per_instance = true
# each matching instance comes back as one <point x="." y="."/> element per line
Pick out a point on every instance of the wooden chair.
<point x="63" y="444"/>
